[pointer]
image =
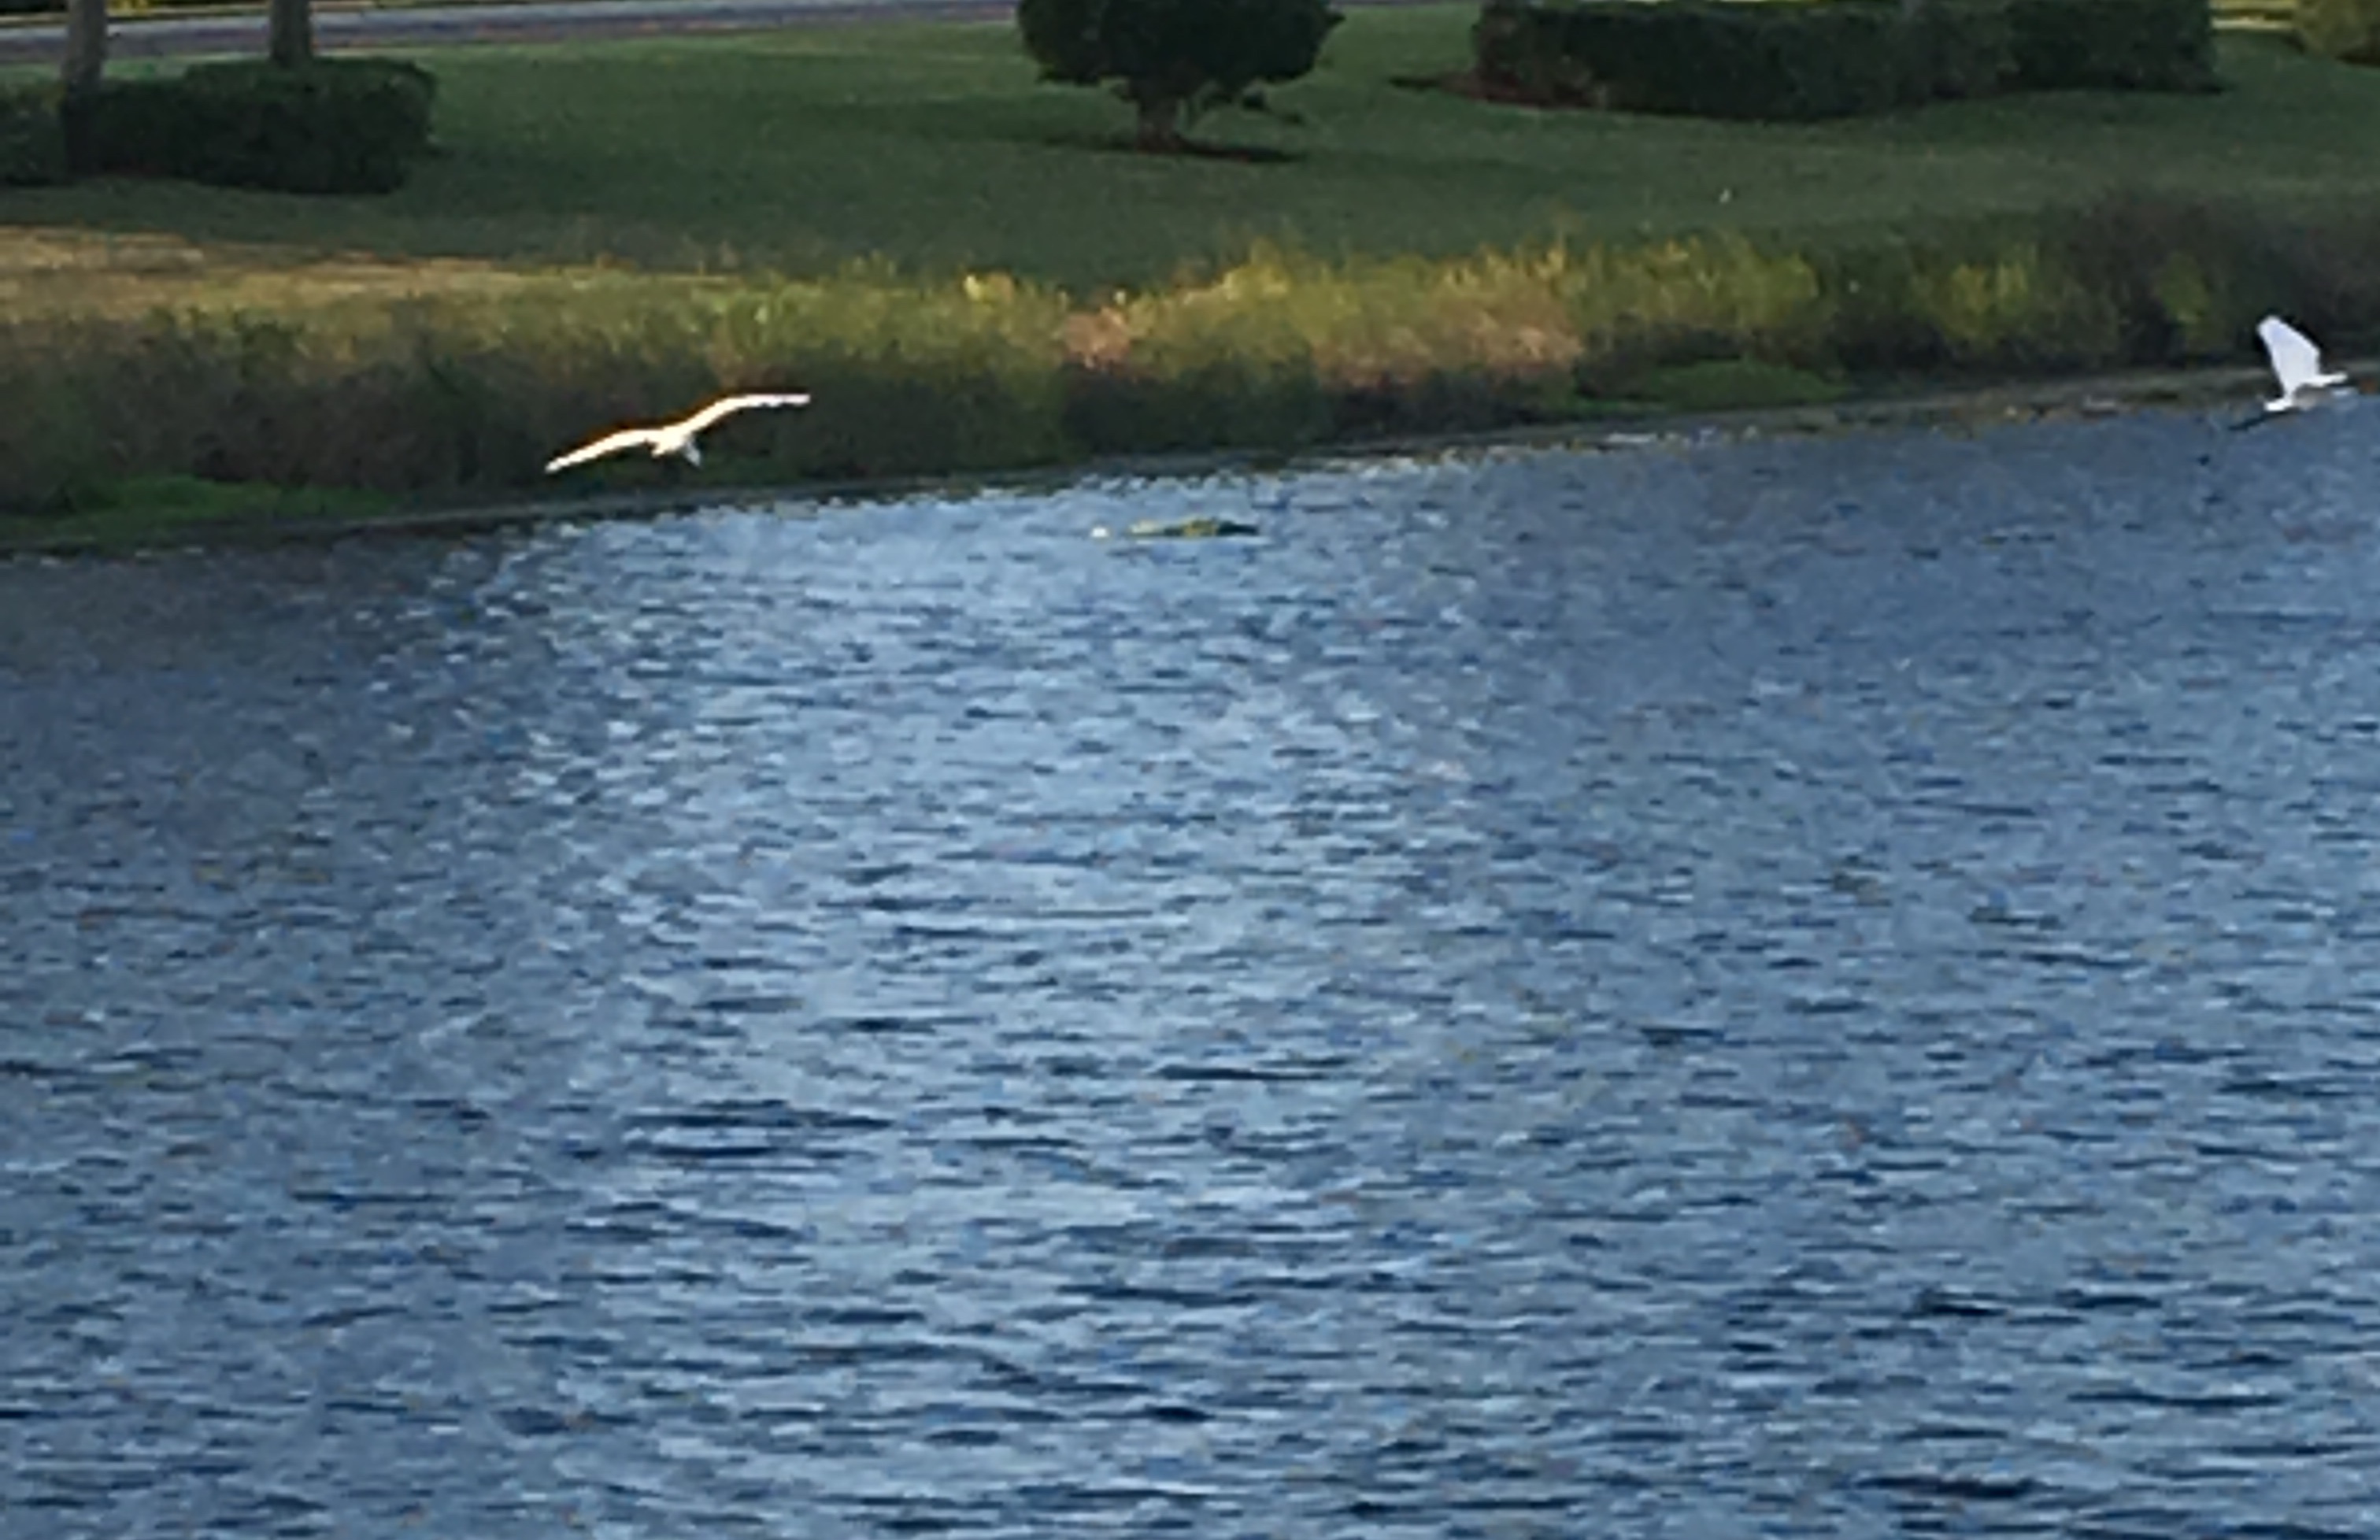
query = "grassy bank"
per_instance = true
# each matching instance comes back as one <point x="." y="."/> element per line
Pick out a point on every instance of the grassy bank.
<point x="968" y="276"/>
<point x="464" y="391"/>
<point x="803" y="150"/>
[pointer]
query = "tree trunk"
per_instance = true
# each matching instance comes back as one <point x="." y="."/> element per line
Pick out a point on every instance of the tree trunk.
<point x="86" y="46"/>
<point x="1160" y="124"/>
<point x="291" y="32"/>
<point x="86" y="61"/>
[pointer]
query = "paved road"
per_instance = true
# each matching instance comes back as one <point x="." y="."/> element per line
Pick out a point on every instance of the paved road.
<point x="149" y="37"/>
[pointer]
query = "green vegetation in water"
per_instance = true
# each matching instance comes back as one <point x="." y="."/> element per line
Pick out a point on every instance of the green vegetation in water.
<point x="1192" y="529"/>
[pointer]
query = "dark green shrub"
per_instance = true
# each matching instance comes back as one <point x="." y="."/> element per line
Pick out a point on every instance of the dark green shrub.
<point x="2113" y="44"/>
<point x="1833" y="58"/>
<point x="32" y="138"/>
<point x="1715" y="59"/>
<point x="1709" y="58"/>
<point x="1517" y="50"/>
<point x="136" y="128"/>
<point x="329" y="127"/>
<point x="1174" y="59"/>
<point x="1955" y="50"/>
<point x="2188" y="278"/>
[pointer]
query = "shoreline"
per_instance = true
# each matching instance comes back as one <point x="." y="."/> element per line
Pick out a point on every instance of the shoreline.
<point x="179" y="374"/>
<point x="1995" y="403"/>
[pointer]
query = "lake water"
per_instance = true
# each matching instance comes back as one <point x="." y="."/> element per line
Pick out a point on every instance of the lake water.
<point x="1819" y="988"/>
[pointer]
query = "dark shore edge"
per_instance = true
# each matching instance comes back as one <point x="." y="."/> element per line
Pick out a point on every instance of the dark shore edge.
<point x="2227" y="394"/>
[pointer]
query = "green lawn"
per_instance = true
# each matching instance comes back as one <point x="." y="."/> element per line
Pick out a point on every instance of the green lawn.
<point x="934" y="146"/>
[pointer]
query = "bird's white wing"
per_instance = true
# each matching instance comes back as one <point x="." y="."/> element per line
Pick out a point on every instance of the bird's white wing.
<point x="728" y="405"/>
<point x="2296" y="362"/>
<point x="610" y="444"/>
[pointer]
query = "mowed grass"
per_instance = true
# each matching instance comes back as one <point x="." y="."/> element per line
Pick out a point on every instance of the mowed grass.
<point x="934" y="148"/>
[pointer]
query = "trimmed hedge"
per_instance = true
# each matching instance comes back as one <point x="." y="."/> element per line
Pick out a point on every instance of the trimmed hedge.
<point x="331" y="125"/>
<point x="1833" y="58"/>
<point x="1517" y="50"/>
<point x="2113" y="44"/>
<point x="1706" y="58"/>
<point x="32" y="138"/>
<point x="1952" y="50"/>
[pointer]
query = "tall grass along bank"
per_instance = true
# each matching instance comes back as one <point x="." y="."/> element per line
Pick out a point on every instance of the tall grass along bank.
<point x="461" y="392"/>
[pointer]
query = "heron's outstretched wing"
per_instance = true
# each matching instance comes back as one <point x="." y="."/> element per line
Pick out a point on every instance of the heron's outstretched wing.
<point x="2296" y="362"/>
<point x="728" y="405"/>
<point x="610" y="444"/>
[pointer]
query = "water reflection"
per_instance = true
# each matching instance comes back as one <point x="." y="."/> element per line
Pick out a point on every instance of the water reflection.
<point x="1809" y="988"/>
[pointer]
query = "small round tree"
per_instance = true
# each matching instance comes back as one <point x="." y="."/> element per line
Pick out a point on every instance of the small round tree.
<point x="1174" y="59"/>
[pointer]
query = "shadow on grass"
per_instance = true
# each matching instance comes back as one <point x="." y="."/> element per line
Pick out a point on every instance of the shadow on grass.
<point x="1196" y="150"/>
<point x="1473" y="87"/>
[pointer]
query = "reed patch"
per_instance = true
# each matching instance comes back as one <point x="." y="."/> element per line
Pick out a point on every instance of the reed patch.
<point x="458" y="385"/>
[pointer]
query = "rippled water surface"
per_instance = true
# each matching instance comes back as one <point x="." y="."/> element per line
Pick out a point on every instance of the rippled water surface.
<point x="1821" y="989"/>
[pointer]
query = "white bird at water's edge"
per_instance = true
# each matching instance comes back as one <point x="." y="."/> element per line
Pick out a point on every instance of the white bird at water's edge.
<point x="2297" y="364"/>
<point x="674" y="437"/>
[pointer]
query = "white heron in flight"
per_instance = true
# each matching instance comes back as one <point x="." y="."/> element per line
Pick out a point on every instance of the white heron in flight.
<point x="2297" y="364"/>
<point x="673" y="437"/>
